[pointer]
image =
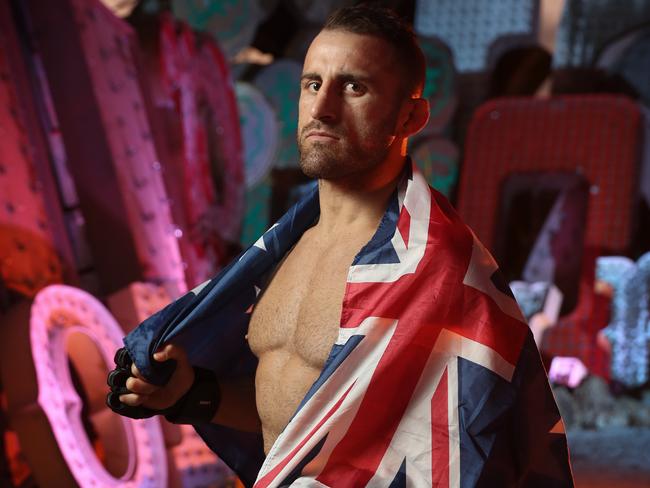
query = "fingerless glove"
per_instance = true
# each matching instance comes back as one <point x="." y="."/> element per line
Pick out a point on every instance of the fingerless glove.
<point x="197" y="406"/>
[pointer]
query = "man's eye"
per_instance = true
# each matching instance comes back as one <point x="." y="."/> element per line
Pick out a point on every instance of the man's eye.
<point x="312" y="86"/>
<point x="353" y="87"/>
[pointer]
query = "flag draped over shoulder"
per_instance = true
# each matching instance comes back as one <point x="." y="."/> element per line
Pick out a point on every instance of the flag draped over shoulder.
<point x="434" y="379"/>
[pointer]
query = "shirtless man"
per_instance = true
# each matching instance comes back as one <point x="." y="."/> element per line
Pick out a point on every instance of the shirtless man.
<point x="359" y="102"/>
<point x="412" y="396"/>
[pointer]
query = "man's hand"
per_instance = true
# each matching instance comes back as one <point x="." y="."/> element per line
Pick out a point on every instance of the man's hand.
<point x="192" y="395"/>
<point x="160" y="397"/>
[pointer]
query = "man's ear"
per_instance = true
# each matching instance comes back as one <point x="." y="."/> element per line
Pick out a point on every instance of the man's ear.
<point x="415" y="117"/>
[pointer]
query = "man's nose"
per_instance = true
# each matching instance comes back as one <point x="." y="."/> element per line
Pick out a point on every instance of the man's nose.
<point x="325" y="105"/>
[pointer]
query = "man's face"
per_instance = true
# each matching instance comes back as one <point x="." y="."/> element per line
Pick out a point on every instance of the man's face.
<point x="350" y="99"/>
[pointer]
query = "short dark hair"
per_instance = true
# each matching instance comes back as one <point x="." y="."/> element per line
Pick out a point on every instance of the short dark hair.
<point x="382" y="22"/>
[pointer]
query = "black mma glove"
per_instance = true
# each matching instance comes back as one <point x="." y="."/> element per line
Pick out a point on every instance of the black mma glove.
<point x="197" y="406"/>
<point x="117" y="381"/>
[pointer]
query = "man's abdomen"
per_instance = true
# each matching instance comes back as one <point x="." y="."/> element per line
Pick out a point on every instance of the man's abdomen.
<point x="282" y="380"/>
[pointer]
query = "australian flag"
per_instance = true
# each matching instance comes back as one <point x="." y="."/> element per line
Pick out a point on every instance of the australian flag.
<point x="434" y="379"/>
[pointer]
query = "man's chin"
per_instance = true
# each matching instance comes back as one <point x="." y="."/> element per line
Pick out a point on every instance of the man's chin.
<point x="323" y="166"/>
<point x="332" y="165"/>
<point x="321" y="171"/>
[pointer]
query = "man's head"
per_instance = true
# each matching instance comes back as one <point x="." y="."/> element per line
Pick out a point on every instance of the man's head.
<point x="359" y="100"/>
<point x="383" y="23"/>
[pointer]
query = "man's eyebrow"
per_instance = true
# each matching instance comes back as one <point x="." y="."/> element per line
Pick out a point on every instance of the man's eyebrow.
<point x="341" y="77"/>
<point x="310" y="76"/>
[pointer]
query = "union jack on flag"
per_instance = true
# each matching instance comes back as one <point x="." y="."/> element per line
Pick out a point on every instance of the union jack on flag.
<point x="434" y="379"/>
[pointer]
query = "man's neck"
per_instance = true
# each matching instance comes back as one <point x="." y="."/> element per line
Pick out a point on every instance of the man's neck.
<point x="355" y="205"/>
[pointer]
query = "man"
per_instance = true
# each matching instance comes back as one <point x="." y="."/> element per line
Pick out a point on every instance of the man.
<point x="411" y="366"/>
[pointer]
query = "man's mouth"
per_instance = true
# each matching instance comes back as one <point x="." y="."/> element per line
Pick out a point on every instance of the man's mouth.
<point x="321" y="135"/>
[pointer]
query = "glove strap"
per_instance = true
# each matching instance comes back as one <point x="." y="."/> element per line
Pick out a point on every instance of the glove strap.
<point x="200" y="403"/>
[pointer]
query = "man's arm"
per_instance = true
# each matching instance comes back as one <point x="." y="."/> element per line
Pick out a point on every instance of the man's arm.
<point x="237" y="408"/>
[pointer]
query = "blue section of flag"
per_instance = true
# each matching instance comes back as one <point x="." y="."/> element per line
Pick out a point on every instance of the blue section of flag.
<point x="505" y="427"/>
<point x="380" y="250"/>
<point x="501" y="284"/>
<point x="484" y="398"/>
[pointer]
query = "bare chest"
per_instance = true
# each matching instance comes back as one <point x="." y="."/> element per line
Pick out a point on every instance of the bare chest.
<point x="300" y="310"/>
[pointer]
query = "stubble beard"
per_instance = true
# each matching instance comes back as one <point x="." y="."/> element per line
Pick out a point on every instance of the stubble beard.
<point x="331" y="161"/>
